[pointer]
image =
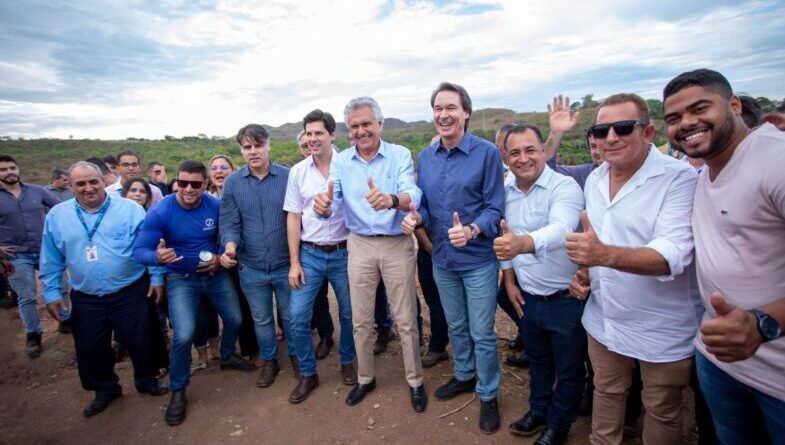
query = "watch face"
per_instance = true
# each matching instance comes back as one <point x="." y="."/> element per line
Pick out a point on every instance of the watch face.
<point x="769" y="327"/>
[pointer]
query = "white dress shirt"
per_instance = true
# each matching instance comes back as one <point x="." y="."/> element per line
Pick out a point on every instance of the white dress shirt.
<point x="305" y="181"/>
<point x="651" y="318"/>
<point x="548" y="212"/>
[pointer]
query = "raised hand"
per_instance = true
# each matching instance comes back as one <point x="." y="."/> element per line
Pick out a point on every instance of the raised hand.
<point x="508" y="245"/>
<point x="733" y="334"/>
<point x="411" y="221"/>
<point x="457" y="233"/>
<point x="561" y="118"/>
<point x="585" y="249"/>
<point x="166" y="255"/>
<point x="377" y="199"/>
<point x="323" y="201"/>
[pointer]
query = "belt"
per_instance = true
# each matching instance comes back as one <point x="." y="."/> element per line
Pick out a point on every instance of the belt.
<point x="327" y="247"/>
<point x="560" y="295"/>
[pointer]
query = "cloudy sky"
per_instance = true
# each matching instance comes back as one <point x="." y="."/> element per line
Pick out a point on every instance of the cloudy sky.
<point x="117" y="69"/>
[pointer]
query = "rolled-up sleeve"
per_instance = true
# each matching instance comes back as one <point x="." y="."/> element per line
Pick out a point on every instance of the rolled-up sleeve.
<point x="565" y="212"/>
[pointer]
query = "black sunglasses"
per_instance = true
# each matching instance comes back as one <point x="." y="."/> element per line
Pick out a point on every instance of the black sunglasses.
<point x="621" y="128"/>
<point x="183" y="184"/>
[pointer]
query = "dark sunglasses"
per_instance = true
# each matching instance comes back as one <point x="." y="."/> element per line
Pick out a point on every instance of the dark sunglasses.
<point x="183" y="184"/>
<point x="621" y="128"/>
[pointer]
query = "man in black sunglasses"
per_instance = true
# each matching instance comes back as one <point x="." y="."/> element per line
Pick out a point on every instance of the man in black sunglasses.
<point x="637" y="246"/>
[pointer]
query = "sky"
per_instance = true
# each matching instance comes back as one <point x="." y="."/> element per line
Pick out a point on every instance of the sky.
<point x="117" y="69"/>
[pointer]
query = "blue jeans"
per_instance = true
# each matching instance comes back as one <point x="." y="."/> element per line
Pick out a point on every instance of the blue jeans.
<point x="469" y="302"/>
<point x="741" y="413"/>
<point x="185" y="292"/>
<point x="23" y="283"/>
<point x="258" y="286"/>
<point x="319" y="267"/>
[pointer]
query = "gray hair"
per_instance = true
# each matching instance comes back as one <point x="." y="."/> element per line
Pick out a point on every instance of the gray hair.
<point x="359" y="102"/>
<point x="85" y="164"/>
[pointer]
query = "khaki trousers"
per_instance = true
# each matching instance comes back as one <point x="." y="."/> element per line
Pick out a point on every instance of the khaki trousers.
<point x="663" y="385"/>
<point x="392" y="259"/>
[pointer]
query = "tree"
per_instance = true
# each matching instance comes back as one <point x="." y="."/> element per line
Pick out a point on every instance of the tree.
<point x="655" y="108"/>
<point x="588" y="101"/>
<point x="766" y="104"/>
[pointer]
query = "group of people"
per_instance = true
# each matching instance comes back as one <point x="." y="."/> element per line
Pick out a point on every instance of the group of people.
<point x="637" y="261"/>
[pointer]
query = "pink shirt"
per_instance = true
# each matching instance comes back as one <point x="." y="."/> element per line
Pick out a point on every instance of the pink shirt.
<point x="738" y="222"/>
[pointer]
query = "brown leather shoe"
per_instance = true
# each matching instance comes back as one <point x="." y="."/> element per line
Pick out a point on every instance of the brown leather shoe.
<point x="323" y="348"/>
<point x="270" y="369"/>
<point x="430" y="359"/>
<point x="295" y="367"/>
<point x="348" y="374"/>
<point x="303" y="388"/>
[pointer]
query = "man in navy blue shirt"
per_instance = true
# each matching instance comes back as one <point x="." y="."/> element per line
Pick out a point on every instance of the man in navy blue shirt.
<point x="181" y="232"/>
<point x="463" y="199"/>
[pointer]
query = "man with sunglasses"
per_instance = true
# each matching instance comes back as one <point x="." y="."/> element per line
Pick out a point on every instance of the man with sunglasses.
<point x="637" y="246"/>
<point x="129" y="165"/>
<point x="181" y="233"/>
<point x="739" y="225"/>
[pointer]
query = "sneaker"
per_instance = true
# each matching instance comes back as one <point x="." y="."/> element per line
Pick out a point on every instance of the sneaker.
<point x="454" y="387"/>
<point x="33" y="345"/>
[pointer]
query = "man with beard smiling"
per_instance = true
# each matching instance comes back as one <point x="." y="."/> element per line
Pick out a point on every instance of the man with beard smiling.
<point x="738" y="222"/>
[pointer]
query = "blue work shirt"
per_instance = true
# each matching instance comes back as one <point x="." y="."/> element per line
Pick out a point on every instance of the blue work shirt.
<point x="252" y="217"/>
<point x="392" y="172"/>
<point x="469" y="179"/>
<point x="22" y="219"/>
<point x="65" y="244"/>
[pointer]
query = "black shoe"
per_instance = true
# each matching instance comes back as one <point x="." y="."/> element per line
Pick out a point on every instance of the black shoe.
<point x="587" y="402"/>
<point x="99" y="403"/>
<point x="357" y="394"/>
<point x="382" y="338"/>
<point x="64" y="327"/>
<point x="519" y="360"/>
<point x="551" y="437"/>
<point x="323" y="348"/>
<point x="155" y="389"/>
<point x="528" y="425"/>
<point x="33" y="346"/>
<point x="515" y="345"/>
<point x="489" y="416"/>
<point x="419" y="398"/>
<point x="454" y="387"/>
<point x="237" y="363"/>
<point x="175" y="411"/>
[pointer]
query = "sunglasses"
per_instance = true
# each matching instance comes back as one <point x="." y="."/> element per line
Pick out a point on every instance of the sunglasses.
<point x="621" y="128"/>
<point x="215" y="168"/>
<point x="183" y="184"/>
<point x="135" y="190"/>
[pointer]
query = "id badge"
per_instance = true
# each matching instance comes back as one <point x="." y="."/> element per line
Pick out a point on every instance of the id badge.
<point x="92" y="254"/>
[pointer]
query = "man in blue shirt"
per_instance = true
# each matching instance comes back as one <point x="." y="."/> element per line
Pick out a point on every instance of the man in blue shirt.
<point x="372" y="182"/>
<point x="93" y="237"/>
<point x="542" y="207"/>
<point x="181" y="232"/>
<point x="463" y="200"/>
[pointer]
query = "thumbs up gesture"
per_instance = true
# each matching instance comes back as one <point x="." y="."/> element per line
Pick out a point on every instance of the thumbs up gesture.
<point x="377" y="199"/>
<point x="508" y="245"/>
<point x="459" y="234"/>
<point x="165" y="255"/>
<point x="585" y="249"/>
<point x="733" y="334"/>
<point x="323" y="201"/>
<point x="411" y="221"/>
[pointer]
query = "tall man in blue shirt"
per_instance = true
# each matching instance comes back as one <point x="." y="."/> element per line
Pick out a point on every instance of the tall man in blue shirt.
<point x="542" y="207"/>
<point x="463" y="200"/>
<point x="93" y="236"/>
<point x="181" y="232"/>
<point x="372" y="182"/>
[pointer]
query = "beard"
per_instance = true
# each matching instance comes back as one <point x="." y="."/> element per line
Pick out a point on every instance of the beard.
<point x="720" y="139"/>
<point x="8" y="181"/>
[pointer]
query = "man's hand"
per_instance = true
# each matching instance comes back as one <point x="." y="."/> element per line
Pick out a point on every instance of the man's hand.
<point x="229" y="257"/>
<point x="296" y="275"/>
<point x="580" y="287"/>
<point x="585" y="249"/>
<point x="165" y="255"/>
<point x="411" y="221"/>
<point x="561" y="118"/>
<point x="377" y="199"/>
<point x="156" y="292"/>
<point x="323" y="201"/>
<point x="210" y="267"/>
<point x="516" y="298"/>
<point x="55" y="307"/>
<point x="457" y="234"/>
<point x="508" y="245"/>
<point x="7" y="251"/>
<point x="733" y="335"/>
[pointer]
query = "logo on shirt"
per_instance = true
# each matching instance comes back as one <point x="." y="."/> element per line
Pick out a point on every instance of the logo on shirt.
<point x="118" y="236"/>
<point x="209" y="224"/>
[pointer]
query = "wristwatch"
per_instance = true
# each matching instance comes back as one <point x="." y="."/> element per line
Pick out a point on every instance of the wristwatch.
<point x="475" y="233"/>
<point x="395" y="201"/>
<point x="768" y="327"/>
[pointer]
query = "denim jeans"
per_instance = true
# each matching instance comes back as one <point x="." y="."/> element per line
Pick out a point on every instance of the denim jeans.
<point x="469" y="302"/>
<point x="24" y="284"/>
<point x="185" y="293"/>
<point x="741" y="413"/>
<point x="318" y="267"/>
<point x="259" y="286"/>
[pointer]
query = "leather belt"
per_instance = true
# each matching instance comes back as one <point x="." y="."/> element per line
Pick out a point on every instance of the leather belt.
<point x="562" y="294"/>
<point x="327" y="247"/>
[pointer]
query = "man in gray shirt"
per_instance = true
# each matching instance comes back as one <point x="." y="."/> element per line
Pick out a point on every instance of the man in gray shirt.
<point x="60" y="185"/>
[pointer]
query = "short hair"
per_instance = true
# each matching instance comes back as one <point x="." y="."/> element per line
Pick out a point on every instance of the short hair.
<point x="520" y="129"/>
<point x="127" y="152"/>
<point x="363" y="101"/>
<point x="98" y="163"/>
<point x="191" y="166"/>
<point x="505" y="128"/>
<point x="154" y="164"/>
<point x="707" y="79"/>
<point x="466" y="101"/>
<point x="254" y="132"/>
<point x="751" y="111"/>
<point x="320" y="116"/>
<point x="643" y="108"/>
<point x="147" y="188"/>
<point x="58" y="172"/>
<point x="109" y="160"/>
<point x="7" y="158"/>
<point x="89" y="165"/>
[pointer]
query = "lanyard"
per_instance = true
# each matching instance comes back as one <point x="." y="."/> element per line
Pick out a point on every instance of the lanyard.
<point x="101" y="212"/>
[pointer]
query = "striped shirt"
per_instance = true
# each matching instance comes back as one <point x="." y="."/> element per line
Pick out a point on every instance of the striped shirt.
<point x="252" y="217"/>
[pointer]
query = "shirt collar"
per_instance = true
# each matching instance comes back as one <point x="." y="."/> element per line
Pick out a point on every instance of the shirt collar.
<point x="465" y="144"/>
<point x="545" y="178"/>
<point x="382" y="151"/>
<point x="246" y="171"/>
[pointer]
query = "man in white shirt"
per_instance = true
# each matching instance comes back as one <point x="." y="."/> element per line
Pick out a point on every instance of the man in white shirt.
<point x="638" y="247"/>
<point x="317" y="252"/>
<point x="542" y="206"/>
<point x="129" y="165"/>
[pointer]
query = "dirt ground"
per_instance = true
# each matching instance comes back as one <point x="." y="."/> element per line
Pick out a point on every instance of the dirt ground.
<point x="41" y="402"/>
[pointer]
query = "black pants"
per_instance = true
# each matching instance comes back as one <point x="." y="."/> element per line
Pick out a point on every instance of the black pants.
<point x="439" y="335"/>
<point x="504" y="303"/>
<point x="322" y="320"/>
<point x="93" y="318"/>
